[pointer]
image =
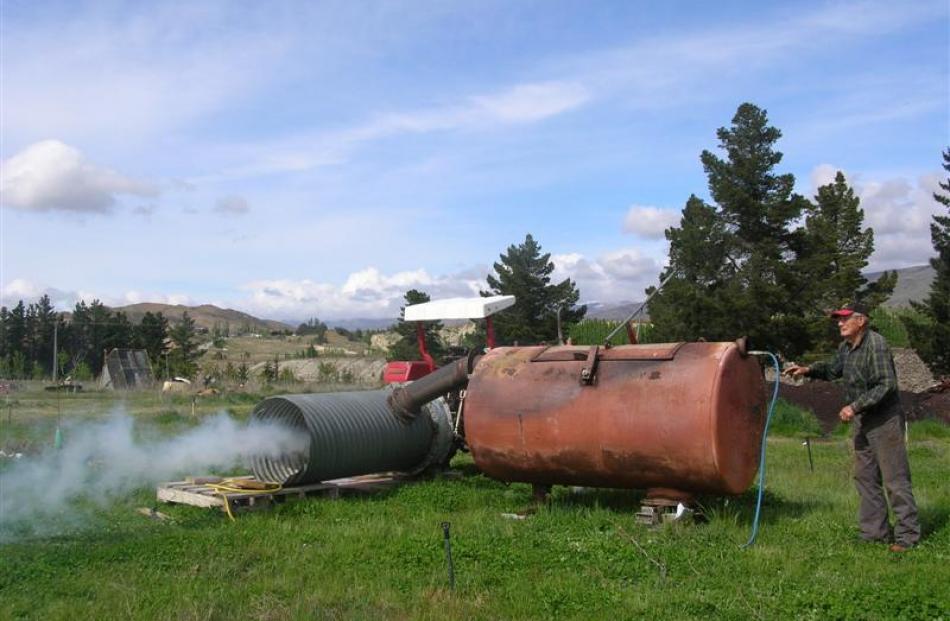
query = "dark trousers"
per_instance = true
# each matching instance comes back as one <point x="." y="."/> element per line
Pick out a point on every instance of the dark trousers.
<point x="880" y="462"/>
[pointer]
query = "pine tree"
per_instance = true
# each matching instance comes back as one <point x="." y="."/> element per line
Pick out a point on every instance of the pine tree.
<point x="150" y="335"/>
<point x="526" y="274"/>
<point x="695" y="302"/>
<point x="16" y="340"/>
<point x="407" y="347"/>
<point x="931" y="337"/>
<point x="46" y="320"/>
<point x="4" y="324"/>
<point x="753" y="284"/>
<point x="185" y="350"/>
<point x="120" y="333"/>
<point x="836" y="250"/>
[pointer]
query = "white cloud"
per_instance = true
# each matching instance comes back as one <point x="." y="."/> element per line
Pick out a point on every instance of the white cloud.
<point x="64" y="300"/>
<point x="526" y="103"/>
<point x="232" y="205"/>
<point x="367" y="293"/>
<point x="144" y="210"/>
<point x="898" y="209"/>
<point x="616" y="276"/>
<point x="519" y="104"/>
<point x="50" y="175"/>
<point x="823" y="174"/>
<point x="650" y="222"/>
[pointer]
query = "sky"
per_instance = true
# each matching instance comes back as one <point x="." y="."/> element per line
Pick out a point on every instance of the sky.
<point x="317" y="159"/>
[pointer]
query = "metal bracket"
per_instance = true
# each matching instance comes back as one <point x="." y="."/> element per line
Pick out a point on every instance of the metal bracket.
<point x="589" y="371"/>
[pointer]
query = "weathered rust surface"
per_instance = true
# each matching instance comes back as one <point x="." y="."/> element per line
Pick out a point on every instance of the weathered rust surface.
<point x="683" y="416"/>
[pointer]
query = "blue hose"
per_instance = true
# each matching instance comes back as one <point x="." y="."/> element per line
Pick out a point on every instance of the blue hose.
<point x="765" y="433"/>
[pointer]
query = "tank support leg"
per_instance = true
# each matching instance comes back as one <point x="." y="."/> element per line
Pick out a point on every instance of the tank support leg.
<point x="540" y="493"/>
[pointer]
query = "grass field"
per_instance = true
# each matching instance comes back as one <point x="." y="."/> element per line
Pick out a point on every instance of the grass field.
<point x="381" y="556"/>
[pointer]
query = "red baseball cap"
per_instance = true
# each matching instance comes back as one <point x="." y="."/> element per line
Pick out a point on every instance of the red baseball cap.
<point x="851" y="309"/>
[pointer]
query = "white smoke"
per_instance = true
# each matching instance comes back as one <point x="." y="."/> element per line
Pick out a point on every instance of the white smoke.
<point x="100" y="461"/>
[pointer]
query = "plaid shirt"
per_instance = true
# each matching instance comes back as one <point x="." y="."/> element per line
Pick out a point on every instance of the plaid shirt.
<point x="869" y="376"/>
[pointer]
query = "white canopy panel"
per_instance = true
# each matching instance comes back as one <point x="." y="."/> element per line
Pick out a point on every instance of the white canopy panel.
<point x="458" y="308"/>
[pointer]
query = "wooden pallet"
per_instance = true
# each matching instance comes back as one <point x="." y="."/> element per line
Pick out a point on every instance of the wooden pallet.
<point x="195" y="491"/>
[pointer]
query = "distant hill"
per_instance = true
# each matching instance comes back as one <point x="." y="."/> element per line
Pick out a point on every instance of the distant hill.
<point x="205" y="316"/>
<point x="913" y="283"/>
<point x="361" y="323"/>
<point x="614" y="312"/>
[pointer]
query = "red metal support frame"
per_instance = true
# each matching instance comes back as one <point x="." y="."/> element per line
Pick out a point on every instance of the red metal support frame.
<point x="421" y="339"/>
<point x="490" y="331"/>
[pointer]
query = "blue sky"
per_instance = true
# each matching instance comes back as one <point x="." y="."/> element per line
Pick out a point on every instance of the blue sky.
<point x="301" y="159"/>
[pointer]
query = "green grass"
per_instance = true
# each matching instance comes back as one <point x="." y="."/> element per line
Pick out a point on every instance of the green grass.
<point x="790" y="420"/>
<point x="581" y="556"/>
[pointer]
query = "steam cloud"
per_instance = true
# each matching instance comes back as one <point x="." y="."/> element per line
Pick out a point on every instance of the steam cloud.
<point x="100" y="461"/>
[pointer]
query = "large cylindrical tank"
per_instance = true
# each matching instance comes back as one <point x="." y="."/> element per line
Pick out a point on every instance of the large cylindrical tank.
<point x="353" y="433"/>
<point x="687" y="417"/>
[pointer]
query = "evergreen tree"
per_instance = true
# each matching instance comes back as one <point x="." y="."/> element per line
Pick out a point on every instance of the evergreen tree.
<point x="837" y="247"/>
<point x="87" y="335"/>
<point x="16" y="340"/>
<point x="754" y="283"/>
<point x="526" y="274"/>
<point x="695" y="303"/>
<point x="836" y="250"/>
<point x="931" y="337"/>
<point x="45" y="326"/>
<point x="407" y="347"/>
<point x="315" y="327"/>
<point x="184" y="353"/>
<point x="4" y="349"/>
<point x="150" y="335"/>
<point x="120" y="333"/>
<point x="31" y="343"/>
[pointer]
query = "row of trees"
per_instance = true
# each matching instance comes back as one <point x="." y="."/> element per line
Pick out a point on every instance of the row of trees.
<point x="29" y="334"/>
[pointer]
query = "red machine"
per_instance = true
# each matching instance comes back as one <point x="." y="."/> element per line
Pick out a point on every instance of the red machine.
<point x="450" y="308"/>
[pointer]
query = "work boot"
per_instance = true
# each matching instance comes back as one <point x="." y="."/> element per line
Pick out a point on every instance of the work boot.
<point x="898" y="548"/>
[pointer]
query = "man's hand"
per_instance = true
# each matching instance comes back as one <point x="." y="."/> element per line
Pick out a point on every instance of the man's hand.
<point x="794" y="370"/>
<point x="846" y="414"/>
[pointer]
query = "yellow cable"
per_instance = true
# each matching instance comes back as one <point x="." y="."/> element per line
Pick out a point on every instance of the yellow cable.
<point x="233" y="485"/>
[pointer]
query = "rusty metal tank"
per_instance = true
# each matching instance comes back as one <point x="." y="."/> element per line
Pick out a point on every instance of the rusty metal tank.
<point x="678" y="417"/>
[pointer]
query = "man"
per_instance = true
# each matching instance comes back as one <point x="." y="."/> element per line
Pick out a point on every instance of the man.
<point x="864" y="361"/>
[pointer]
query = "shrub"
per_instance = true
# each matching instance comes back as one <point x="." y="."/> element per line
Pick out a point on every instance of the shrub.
<point x="327" y="372"/>
<point x="889" y="324"/>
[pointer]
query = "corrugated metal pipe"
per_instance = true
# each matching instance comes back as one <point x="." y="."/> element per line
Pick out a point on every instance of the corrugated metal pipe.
<point x="404" y="430"/>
